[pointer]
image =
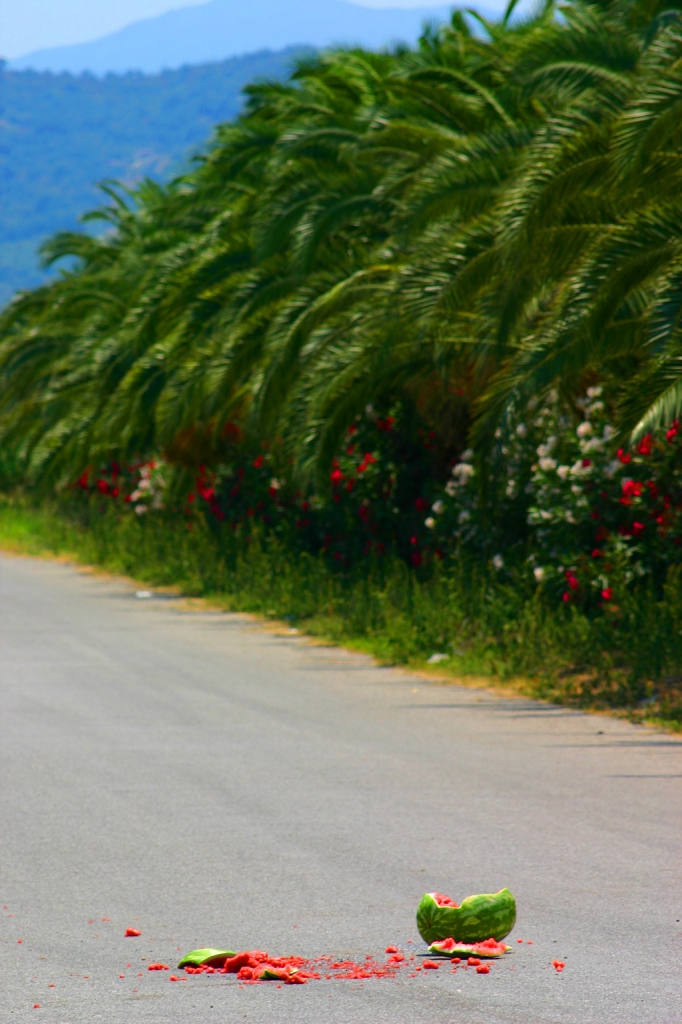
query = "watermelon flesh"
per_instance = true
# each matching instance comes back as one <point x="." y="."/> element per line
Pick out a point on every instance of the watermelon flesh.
<point x="489" y="915"/>
<point x="489" y="948"/>
<point x="443" y="901"/>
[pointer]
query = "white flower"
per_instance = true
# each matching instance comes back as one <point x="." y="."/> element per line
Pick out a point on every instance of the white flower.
<point x="511" y="489"/>
<point x="576" y="488"/>
<point x="430" y="522"/>
<point x="464" y="471"/>
<point x="547" y="464"/>
<point x="595" y="444"/>
<point x="595" y="407"/>
<point x="144" y="484"/>
<point x="140" y="509"/>
<point x="467" y="456"/>
<point x="522" y="430"/>
<point x="609" y="432"/>
<point x="274" y="483"/>
<point x="577" y="469"/>
<point x="584" y="429"/>
<point x="546" y="449"/>
<point x="498" y="562"/>
<point x="450" y="488"/>
<point x="563" y="471"/>
<point x="135" y="495"/>
<point x="539" y="573"/>
<point x="438" y="507"/>
<point x="594" y="392"/>
<point x="611" y="468"/>
<point x="464" y="516"/>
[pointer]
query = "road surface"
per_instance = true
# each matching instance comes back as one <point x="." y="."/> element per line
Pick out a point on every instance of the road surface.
<point x="212" y="783"/>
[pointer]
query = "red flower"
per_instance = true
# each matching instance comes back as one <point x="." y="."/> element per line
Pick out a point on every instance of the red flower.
<point x="566" y="596"/>
<point x="607" y="594"/>
<point x="597" y="553"/>
<point x="624" y="456"/>
<point x="416" y="559"/>
<point x="637" y="529"/>
<point x="102" y="487"/>
<point x="115" y="492"/>
<point x="646" y="445"/>
<point x="336" y="476"/>
<point x="671" y="434"/>
<point x="421" y="504"/>
<point x="587" y="462"/>
<point x="258" y="462"/>
<point x="632" y="488"/>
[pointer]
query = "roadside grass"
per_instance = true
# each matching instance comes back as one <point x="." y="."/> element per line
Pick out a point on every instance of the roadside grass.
<point x="489" y="633"/>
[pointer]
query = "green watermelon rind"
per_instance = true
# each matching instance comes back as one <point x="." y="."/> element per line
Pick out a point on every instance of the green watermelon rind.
<point x="206" y="958"/>
<point x="488" y="915"/>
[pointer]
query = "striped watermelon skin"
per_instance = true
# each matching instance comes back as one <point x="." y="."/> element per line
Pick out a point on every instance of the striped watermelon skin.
<point x="489" y="915"/>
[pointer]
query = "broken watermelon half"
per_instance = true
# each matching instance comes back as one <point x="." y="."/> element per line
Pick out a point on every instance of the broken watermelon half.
<point x="489" y="915"/>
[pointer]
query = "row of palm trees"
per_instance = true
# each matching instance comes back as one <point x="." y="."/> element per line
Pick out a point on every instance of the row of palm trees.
<point x="463" y="225"/>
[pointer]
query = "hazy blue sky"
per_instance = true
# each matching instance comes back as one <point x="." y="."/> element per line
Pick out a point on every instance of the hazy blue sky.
<point x="27" y="25"/>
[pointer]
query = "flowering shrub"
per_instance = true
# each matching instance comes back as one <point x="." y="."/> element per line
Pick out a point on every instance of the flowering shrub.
<point x="570" y="503"/>
<point x="141" y="486"/>
<point x="559" y="501"/>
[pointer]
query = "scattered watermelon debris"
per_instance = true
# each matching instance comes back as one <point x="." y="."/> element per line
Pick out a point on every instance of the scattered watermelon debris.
<point x="132" y="933"/>
<point x="487" y="949"/>
<point x="255" y="966"/>
<point x="558" y="965"/>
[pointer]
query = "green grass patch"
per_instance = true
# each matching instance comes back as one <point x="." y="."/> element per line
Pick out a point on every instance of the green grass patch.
<point x="488" y="630"/>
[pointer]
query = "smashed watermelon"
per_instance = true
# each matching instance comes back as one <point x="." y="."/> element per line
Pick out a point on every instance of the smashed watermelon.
<point x="489" y="948"/>
<point x="489" y="915"/>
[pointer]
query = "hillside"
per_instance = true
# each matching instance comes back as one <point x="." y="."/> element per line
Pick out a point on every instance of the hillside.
<point x="59" y="134"/>
<point x="223" y="28"/>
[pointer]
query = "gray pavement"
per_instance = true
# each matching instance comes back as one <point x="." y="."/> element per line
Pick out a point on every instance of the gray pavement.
<point x="196" y="776"/>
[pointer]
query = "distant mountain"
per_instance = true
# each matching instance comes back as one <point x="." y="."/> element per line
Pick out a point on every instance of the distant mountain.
<point x="225" y="28"/>
<point x="60" y="133"/>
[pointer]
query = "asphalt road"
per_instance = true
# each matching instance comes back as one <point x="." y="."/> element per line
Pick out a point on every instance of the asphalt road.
<point x="210" y="782"/>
